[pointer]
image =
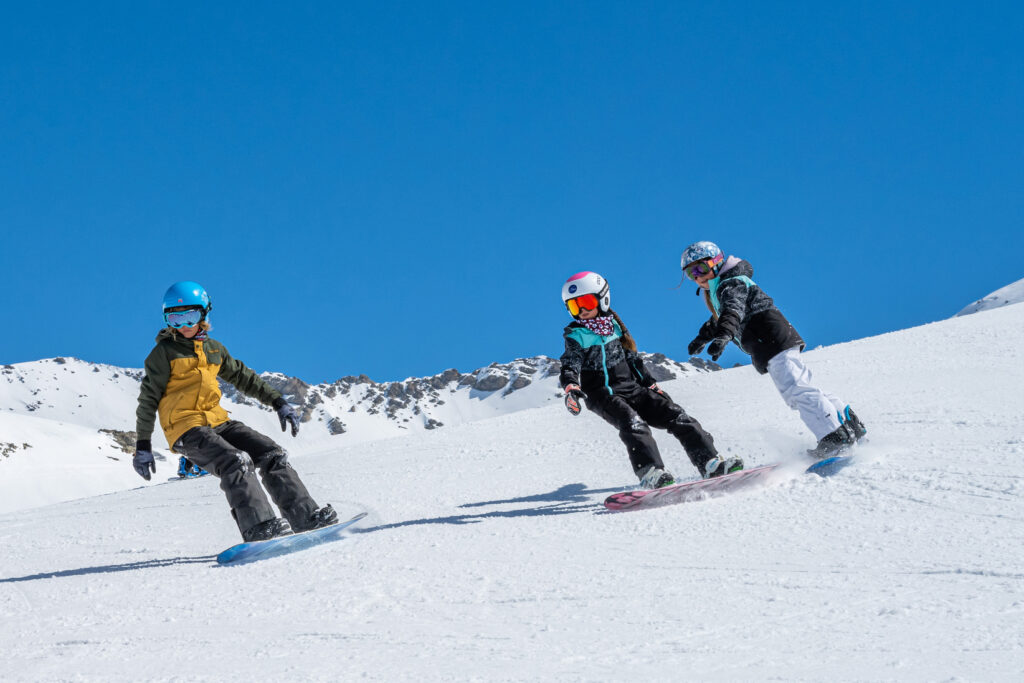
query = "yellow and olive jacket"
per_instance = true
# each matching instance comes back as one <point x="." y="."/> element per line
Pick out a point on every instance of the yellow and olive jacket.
<point x="181" y="383"/>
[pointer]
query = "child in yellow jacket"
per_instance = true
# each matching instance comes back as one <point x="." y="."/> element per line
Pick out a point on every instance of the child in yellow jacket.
<point x="181" y="385"/>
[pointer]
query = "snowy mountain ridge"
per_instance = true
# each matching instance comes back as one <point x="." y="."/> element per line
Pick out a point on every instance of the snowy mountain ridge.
<point x="81" y="392"/>
<point x="424" y="402"/>
<point x="73" y="420"/>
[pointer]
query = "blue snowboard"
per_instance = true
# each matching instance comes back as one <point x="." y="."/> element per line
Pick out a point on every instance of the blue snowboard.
<point x="261" y="550"/>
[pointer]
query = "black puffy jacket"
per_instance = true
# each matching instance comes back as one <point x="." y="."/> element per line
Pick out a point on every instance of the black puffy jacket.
<point x="743" y="312"/>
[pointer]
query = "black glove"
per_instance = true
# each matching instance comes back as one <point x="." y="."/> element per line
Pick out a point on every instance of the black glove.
<point x="718" y="347"/>
<point x="658" y="390"/>
<point x="287" y="415"/>
<point x="696" y="346"/>
<point x="706" y="334"/>
<point x="143" y="459"/>
<point x="573" y="394"/>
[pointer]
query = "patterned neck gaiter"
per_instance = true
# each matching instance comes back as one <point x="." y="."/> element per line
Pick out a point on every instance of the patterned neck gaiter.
<point x="201" y="335"/>
<point x="601" y="325"/>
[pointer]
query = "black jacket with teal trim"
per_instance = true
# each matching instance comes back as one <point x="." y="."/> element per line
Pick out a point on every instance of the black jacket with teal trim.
<point x="743" y="312"/>
<point x="601" y="366"/>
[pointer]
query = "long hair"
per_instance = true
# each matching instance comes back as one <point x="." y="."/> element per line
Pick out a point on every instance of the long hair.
<point x="627" y="340"/>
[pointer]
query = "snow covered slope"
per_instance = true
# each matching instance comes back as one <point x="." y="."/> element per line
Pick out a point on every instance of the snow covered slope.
<point x="1010" y="294"/>
<point x="487" y="555"/>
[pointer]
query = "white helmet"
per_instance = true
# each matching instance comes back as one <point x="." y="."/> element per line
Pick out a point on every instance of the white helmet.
<point x="588" y="283"/>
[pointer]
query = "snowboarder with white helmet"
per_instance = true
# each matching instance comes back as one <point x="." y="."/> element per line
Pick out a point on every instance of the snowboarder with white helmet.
<point x="601" y="366"/>
<point x="743" y="313"/>
<point x="181" y="385"/>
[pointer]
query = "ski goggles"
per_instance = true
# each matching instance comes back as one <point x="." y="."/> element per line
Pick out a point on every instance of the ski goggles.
<point x="699" y="269"/>
<point x="187" y="318"/>
<point x="584" y="301"/>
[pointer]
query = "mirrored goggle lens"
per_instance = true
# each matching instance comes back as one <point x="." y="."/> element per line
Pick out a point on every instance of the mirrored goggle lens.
<point x="698" y="269"/>
<point x="187" y="318"/>
<point x="586" y="301"/>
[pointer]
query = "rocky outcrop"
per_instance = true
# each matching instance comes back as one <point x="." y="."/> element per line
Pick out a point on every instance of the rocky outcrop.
<point x="6" y="448"/>
<point x="416" y="399"/>
<point x="124" y="440"/>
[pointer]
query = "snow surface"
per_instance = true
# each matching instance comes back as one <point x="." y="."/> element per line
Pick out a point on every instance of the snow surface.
<point x="1010" y="294"/>
<point x="487" y="554"/>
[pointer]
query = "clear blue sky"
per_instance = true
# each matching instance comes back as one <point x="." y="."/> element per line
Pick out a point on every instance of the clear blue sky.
<point x="398" y="188"/>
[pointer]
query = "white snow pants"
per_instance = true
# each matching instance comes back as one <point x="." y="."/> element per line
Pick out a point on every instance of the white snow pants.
<point x="819" y="410"/>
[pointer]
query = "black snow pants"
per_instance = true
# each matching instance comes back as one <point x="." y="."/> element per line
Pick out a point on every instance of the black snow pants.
<point x="635" y="410"/>
<point x="232" y="452"/>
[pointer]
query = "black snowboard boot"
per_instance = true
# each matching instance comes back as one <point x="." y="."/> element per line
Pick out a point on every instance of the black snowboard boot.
<point x="854" y="424"/>
<point x="264" y="531"/>
<point x="321" y="517"/>
<point x="833" y="443"/>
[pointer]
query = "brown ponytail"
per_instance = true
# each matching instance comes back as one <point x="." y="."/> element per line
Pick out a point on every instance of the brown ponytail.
<point x="627" y="339"/>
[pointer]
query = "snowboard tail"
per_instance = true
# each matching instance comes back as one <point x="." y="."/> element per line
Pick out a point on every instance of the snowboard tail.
<point x="829" y="466"/>
<point x="282" y="545"/>
<point x="187" y="477"/>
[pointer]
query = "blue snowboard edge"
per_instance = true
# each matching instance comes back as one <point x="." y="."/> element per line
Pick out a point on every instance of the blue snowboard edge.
<point x="261" y="550"/>
<point x="829" y="466"/>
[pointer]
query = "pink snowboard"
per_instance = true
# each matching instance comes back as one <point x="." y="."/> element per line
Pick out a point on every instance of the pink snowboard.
<point x="689" y="491"/>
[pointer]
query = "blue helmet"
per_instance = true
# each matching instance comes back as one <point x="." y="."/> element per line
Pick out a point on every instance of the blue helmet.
<point x="700" y="251"/>
<point x="187" y="293"/>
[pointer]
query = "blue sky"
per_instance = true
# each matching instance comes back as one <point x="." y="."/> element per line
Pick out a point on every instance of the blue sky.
<point x="399" y="188"/>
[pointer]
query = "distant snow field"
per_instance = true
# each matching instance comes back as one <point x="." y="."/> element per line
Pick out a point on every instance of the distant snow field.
<point x="1010" y="294"/>
<point x="487" y="554"/>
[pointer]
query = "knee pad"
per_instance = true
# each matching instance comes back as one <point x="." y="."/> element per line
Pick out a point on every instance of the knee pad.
<point x="276" y="458"/>
<point x="681" y="419"/>
<point x="245" y="464"/>
<point x="638" y="426"/>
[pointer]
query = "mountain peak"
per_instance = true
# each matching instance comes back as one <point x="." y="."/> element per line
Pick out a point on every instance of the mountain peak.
<point x="1005" y="296"/>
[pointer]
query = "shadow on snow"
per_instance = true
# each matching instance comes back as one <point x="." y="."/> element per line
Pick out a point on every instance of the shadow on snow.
<point x="569" y="499"/>
<point x="566" y="500"/>
<point x="570" y="493"/>
<point x="113" y="568"/>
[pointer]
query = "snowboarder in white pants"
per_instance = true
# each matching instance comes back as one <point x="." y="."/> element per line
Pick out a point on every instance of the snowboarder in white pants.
<point x="818" y="409"/>
<point x="743" y="313"/>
